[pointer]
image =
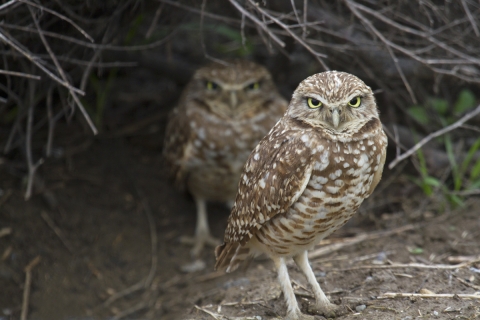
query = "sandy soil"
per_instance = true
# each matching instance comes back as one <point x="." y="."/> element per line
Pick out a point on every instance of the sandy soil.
<point x="92" y="225"/>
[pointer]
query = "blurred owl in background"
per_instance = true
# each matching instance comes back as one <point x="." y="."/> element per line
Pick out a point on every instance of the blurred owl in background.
<point x="222" y="114"/>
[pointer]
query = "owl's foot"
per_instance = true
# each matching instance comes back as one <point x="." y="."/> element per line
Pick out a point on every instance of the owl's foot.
<point x="199" y="242"/>
<point x="297" y="315"/>
<point x="328" y="310"/>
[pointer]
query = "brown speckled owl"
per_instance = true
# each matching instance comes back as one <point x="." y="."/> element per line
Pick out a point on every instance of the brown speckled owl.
<point x="222" y="114"/>
<point x="306" y="178"/>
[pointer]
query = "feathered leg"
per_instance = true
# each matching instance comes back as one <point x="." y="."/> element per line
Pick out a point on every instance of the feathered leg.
<point x="202" y="231"/>
<point x="293" y="312"/>
<point x="322" y="305"/>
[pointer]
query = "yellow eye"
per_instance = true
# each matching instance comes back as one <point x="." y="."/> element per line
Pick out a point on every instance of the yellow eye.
<point x="211" y="85"/>
<point x="355" y="102"/>
<point x="253" y="86"/>
<point x="313" y="103"/>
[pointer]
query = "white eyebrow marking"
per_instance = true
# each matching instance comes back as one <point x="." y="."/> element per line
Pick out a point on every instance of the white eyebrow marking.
<point x="317" y="96"/>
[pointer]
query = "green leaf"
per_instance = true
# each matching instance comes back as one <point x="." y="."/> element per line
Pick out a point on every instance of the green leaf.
<point x="232" y="34"/>
<point x="416" y="250"/>
<point x="465" y="101"/>
<point x="474" y="186"/>
<point x="457" y="178"/>
<point x="431" y="181"/>
<point x="456" y="200"/>
<point x="475" y="173"/>
<point x="419" y="114"/>
<point x="469" y="157"/>
<point x="10" y="115"/>
<point x="439" y="105"/>
<point x="134" y="26"/>
<point x="421" y="159"/>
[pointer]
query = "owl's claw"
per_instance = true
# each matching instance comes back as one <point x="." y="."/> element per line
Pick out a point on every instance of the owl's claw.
<point x="329" y="310"/>
<point x="199" y="242"/>
<point x="297" y="315"/>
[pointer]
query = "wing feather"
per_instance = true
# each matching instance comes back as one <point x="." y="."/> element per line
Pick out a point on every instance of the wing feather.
<point x="274" y="177"/>
<point x="178" y="136"/>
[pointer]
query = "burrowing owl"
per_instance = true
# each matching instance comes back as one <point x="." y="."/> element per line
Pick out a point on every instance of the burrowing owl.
<point x="306" y="179"/>
<point x="223" y="113"/>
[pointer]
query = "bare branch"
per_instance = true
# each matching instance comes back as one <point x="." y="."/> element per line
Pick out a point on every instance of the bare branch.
<point x="435" y="134"/>
<point x="305" y="10"/>
<point x="32" y="167"/>
<point x="152" y="45"/>
<point x="61" y="16"/>
<point x="257" y="22"/>
<point x="7" y="4"/>
<point x="470" y="17"/>
<point x="154" y="21"/>
<point x="317" y="55"/>
<point x="20" y="74"/>
<point x="62" y="73"/>
<point x="36" y="62"/>
<point x="51" y="122"/>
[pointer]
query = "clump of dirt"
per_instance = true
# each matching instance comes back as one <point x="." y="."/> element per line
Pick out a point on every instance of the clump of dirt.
<point x="92" y="223"/>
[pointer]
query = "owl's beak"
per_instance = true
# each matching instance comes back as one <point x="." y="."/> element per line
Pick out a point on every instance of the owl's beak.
<point x="335" y="117"/>
<point x="233" y="99"/>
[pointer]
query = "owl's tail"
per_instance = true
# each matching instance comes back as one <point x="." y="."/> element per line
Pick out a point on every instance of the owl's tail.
<point x="230" y="255"/>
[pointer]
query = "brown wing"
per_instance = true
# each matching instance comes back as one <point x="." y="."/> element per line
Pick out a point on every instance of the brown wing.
<point x="176" y="146"/>
<point x="381" y="144"/>
<point x="274" y="177"/>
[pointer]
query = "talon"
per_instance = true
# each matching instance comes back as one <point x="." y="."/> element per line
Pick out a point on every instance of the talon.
<point x="199" y="242"/>
<point x="298" y="316"/>
<point x="329" y="310"/>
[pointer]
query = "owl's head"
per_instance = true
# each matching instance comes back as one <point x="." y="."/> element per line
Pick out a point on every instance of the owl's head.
<point x="334" y="101"/>
<point x="234" y="90"/>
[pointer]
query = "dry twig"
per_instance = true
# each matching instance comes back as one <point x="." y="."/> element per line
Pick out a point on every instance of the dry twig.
<point x="32" y="167"/>
<point x="468" y="284"/>
<point x="20" y="74"/>
<point x="435" y="134"/>
<point x="58" y="232"/>
<point x="326" y="249"/>
<point x="26" y="288"/>
<point x="411" y="265"/>
<point x="5" y="231"/>
<point x="393" y="295"/>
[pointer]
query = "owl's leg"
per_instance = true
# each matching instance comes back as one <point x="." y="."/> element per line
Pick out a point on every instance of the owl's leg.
<point x="322" y="305"/>
<point x="202" y="231"/>
<point x="293" y="312"/>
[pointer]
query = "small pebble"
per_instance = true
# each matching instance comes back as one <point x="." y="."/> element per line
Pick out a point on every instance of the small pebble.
<point x="435" y="313"/>
<point x="195" y="266"/>
<point x="7" y="311"/>
<point x="237" y="283"/>
<point x="426" y="291"/>
<point x="380" y="259"/>
<point x="360" y="308"/>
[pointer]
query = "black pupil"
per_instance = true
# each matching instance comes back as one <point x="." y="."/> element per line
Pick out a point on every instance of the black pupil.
<point x="213" y="85"/>
<point x="252" y="86"/>
<point x="354" y="100"/>
<point x="315" y="102"/>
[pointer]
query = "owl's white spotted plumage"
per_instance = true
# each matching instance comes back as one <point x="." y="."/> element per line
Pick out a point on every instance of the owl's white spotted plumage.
<point x="222" y="114"/>
<point x="306" y="178"/>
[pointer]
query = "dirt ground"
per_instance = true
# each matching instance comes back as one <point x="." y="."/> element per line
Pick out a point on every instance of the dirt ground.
<point x="104" y="219"/>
